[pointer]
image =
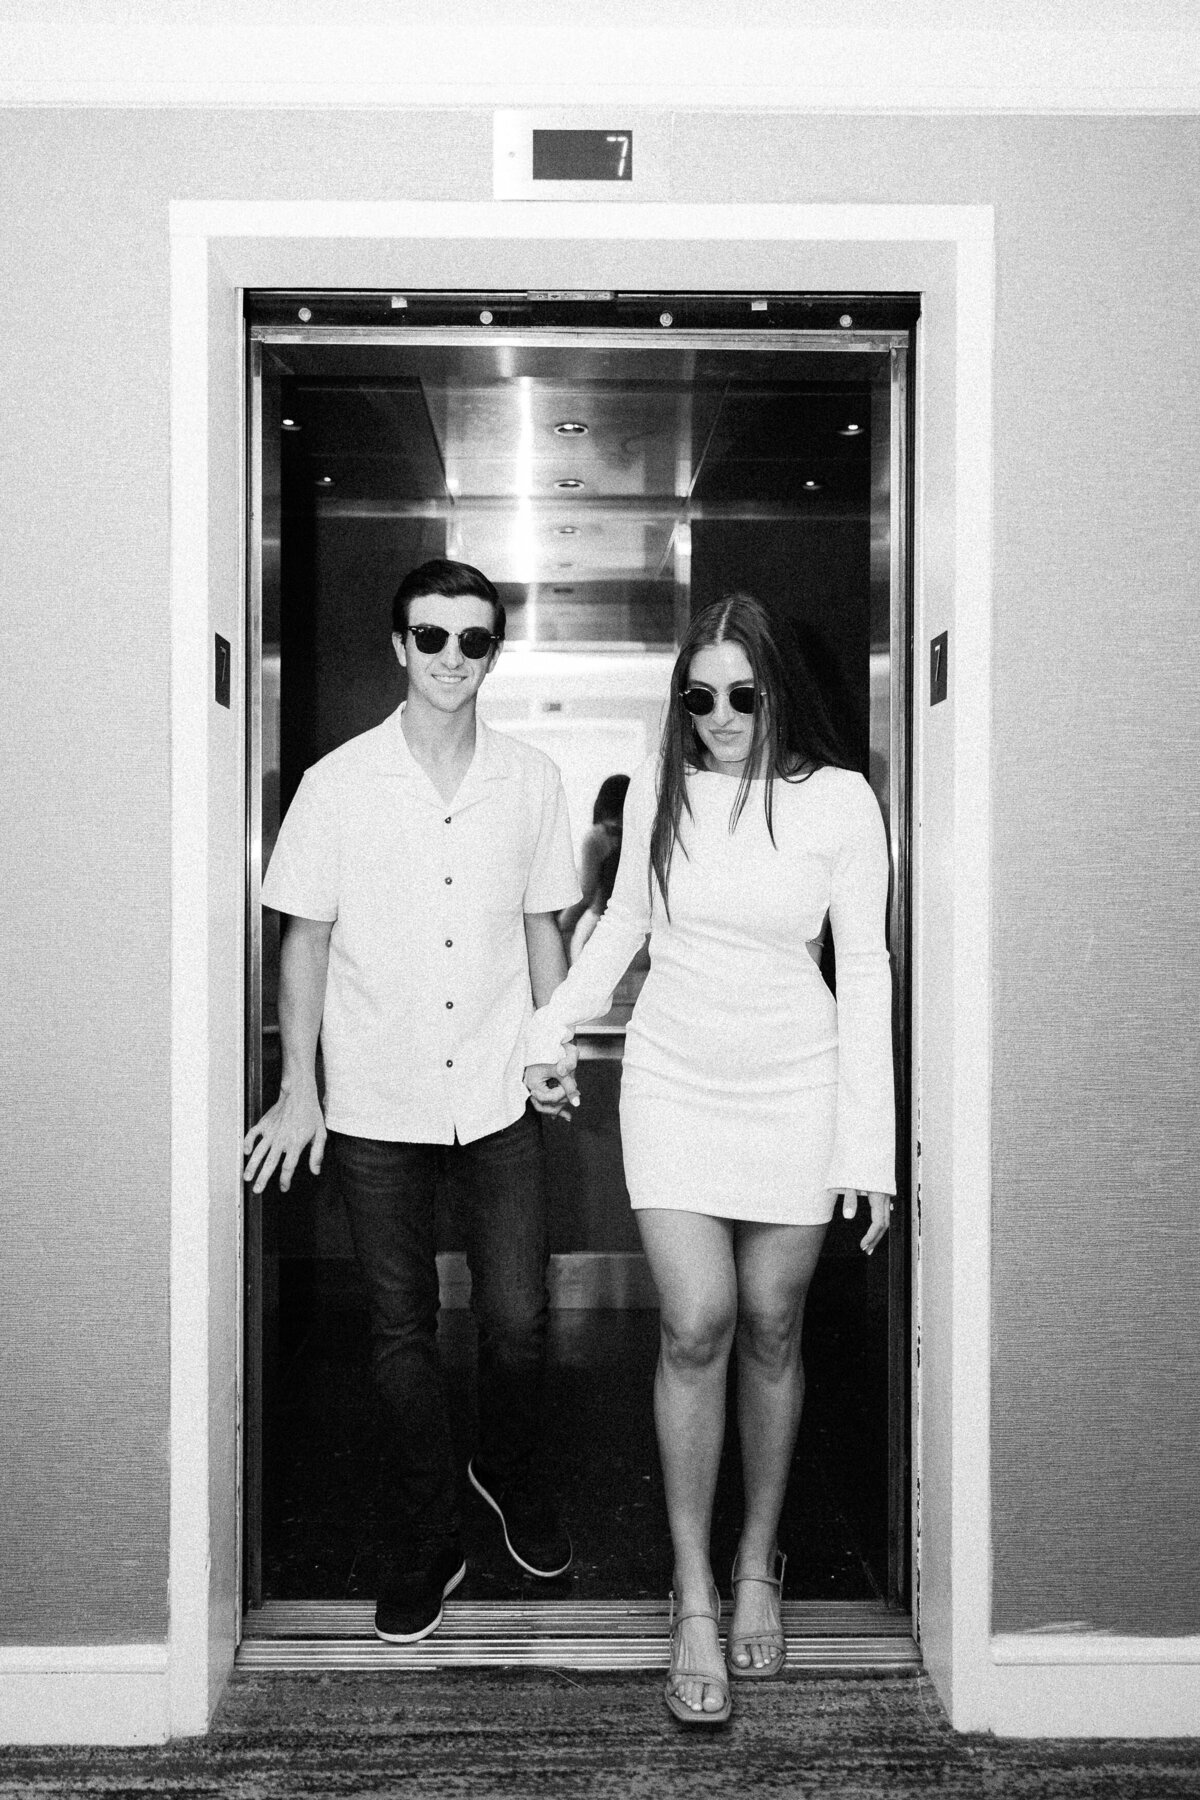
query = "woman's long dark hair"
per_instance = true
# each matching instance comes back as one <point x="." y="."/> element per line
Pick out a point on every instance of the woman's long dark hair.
<point x="794" y="732"/>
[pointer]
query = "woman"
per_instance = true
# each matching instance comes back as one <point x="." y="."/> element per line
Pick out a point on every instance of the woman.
<point x="750" y="1100"/>
<point x="602" y="837"/>
<point x="596" y="898"/>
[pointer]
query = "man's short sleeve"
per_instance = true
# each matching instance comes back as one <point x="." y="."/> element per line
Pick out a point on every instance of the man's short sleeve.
<point x="303" y="877"/>
<point x="552" y="882"/>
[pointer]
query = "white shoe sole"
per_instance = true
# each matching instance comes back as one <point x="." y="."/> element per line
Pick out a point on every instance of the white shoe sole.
<point x="414" y="1637"/>
<point x="542" y="1574"/>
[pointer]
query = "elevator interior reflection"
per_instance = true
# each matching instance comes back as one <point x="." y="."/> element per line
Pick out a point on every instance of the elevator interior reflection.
<point x="684" y="472"/>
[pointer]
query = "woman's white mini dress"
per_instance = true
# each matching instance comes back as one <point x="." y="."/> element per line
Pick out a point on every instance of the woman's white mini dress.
<point x="748" y="1092"/>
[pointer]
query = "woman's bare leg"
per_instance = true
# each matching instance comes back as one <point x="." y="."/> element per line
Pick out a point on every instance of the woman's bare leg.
<point x="692" y="1262"/>
<point x="775" y="1265"/>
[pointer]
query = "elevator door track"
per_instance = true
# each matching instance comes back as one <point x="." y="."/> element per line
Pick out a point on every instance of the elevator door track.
<point x="600" y="1635"/>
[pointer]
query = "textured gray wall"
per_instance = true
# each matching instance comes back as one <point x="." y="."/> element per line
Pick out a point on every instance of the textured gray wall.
<point x="1096" y="1310"/>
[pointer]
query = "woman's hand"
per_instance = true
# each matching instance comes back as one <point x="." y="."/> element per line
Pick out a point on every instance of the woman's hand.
<point x="552" y="1085"/>
<point x="881" y="1213"/>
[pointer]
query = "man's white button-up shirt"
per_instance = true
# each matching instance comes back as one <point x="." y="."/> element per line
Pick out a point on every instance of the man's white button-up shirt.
<point x="428" y="988"/>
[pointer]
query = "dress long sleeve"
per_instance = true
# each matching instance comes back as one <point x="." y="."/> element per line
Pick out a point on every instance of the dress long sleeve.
<point x="864" y="1150"/>
<point x="618" y="936"/>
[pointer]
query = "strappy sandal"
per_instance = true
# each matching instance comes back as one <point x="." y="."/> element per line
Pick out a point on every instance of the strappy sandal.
<point x="762" y="1671"/>
<point x="691" y="1715"/>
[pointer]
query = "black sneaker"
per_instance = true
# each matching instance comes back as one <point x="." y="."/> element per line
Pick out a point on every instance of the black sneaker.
<point x="535" y="1534"/>
<point x="410" y="1603"/>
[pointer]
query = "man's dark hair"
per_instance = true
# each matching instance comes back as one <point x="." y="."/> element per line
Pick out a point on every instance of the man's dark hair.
<point x="453" y="580"/>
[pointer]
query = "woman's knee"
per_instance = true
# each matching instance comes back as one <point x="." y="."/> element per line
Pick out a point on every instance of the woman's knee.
<point x="770" y="1335"/>
<point x="696" y="1337"/>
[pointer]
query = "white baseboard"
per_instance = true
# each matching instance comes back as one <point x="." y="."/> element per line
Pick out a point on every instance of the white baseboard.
<point x="1092" y="1685"/>
<point x="84" y="1694"/>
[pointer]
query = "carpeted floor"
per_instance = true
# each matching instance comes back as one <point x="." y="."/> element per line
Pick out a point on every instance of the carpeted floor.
<point x="547" y="1736"/>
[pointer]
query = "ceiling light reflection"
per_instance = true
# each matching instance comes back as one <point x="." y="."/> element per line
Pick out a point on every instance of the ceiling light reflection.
<point x="524" y="548"/>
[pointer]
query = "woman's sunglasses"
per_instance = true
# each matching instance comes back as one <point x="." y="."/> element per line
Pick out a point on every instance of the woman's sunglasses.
<point x="474" y="642"/>
<point x="700" y="701"/>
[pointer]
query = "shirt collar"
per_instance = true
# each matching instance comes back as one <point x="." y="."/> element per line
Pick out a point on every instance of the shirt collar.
<point x="487" y="764"/>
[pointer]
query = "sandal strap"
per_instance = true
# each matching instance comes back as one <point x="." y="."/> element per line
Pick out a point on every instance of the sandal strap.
<point x="775" y="1581"/>
<point x="710" y="1677"/>
<point x="711" y="1614"/>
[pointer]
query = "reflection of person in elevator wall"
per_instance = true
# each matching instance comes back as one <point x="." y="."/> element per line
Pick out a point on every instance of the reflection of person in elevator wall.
<point x="750" y="1099"/>
<point x="602" y="837"/>
<point x="423" y="865"/>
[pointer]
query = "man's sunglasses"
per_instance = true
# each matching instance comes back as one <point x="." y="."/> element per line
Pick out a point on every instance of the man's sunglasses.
<point x="700" y="701"/>
<point x="474" y="642"/>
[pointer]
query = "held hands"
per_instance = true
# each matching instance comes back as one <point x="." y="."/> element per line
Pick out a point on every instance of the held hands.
<point x="552" y="1086"/>
<point x="881" y="1213"/>
<point x="283" y="1131"/>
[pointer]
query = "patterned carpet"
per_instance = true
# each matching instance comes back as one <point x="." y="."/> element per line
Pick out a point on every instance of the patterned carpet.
<point x="547" y="1736"/>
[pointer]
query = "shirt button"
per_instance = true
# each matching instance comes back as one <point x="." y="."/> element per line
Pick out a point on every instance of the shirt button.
<point x="447" y="820"/>
<point x="449" y="1062"/>
<point x="449" y="943"/>
<point x="449" y="1006"/>
<point x="449" y="880"/>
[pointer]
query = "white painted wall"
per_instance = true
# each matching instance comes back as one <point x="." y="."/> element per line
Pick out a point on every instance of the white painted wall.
<point x="1024" y="55"/>
<point x="1088" y="1195"/>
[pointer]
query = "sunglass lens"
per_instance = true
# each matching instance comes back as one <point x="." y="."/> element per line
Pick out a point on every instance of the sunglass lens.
<point x="473" y="642"/>
<point x="700" y="701"/>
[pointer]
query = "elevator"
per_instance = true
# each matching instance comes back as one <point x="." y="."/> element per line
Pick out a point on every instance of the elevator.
<point x="711" y="442"/>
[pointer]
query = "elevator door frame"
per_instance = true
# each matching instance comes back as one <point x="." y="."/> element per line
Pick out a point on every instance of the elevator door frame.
<point x="898" y="344"/>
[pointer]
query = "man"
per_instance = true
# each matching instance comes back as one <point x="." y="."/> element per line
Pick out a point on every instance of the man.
<point x="422" y="866"/>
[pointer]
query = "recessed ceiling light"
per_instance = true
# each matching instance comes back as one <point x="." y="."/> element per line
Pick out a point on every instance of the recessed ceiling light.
<point x="290" y="424"/>
<point x="571" y="428"/>
<point x="566" y="531"/>
<point x="850" y="431"/>
<point x="812" y="487"/>
<point x="569" y="481"/>
<point x="324" y="480"/>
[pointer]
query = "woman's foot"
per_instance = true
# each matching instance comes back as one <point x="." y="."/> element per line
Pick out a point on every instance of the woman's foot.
<point x="756" y="1646"/>
<point x="697" y="1690"/>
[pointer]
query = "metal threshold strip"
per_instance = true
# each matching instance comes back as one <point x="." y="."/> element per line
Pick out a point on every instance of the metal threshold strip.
<point x="289" y="1636"/>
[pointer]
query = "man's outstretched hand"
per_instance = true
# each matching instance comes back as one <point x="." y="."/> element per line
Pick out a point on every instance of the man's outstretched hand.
<point x="281" y="1136"/>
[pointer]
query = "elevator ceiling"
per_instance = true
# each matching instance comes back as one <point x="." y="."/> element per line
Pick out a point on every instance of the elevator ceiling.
<point x="575" y="477"/>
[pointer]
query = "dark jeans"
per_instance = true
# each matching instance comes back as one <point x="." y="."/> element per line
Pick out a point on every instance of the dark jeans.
<point x="498" y="1190"/>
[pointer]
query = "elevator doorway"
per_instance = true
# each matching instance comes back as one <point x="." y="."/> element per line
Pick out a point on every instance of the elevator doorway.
<point x="749" y="443"/>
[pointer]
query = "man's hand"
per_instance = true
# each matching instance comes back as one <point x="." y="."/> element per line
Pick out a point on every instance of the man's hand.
<point x="881" y="1214"/>
<point x="552" y="1086"/>
<point x="294" y="1121"/>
